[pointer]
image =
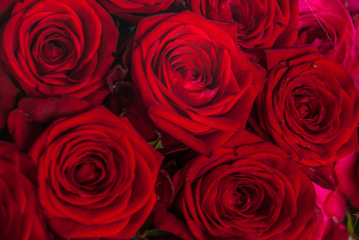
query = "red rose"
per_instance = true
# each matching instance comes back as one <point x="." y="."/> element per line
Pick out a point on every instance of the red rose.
<point x="328" y="27"/>
<point x="195" y="82"/>
<point x="56" y="48"/>
<point x="247" y="190"/>
<point x="309" y="107"/>
<point x="347" y="176"/>
<point x="259" y="24"/>
<point x="96" y="176"/>
<point x="20" y="217"/>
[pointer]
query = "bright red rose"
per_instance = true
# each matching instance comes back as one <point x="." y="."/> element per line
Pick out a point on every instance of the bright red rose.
<point x="20" y="217"/>
<point x="195" y="82"/>
<point x="96" y="176"/>
<point x="248" y="189"/>
<point x="259" y="24"/>
<point x="327" y="26"/>
<point x="347" y="176"/>
<point x="309" y="107"/>
<point x="56" y="48"/>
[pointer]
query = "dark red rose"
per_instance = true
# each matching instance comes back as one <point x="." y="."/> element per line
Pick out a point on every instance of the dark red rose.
<point x="309" y="107"/>
<point x="328" y="27"/>
<point x="96" y="176"/>
<point x="134" y="10"/>
<point x="20" y="216"/>
<point x="248" y="189"/>
<point x="195" y="82"/>
<point x="347" y="176"/>
<point x="259" y="24"/>
<point x="60" y="47"/>
<point x="8" y="93"/>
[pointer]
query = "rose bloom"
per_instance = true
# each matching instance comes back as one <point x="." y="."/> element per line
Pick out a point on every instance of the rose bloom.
<point x="195" y="82"/>
<point x="248" y="189"/>
<point x="259" y="24"/>
<point x="309" y="107"/>
<point x="96" y="176"/>
<point x="20" y="216"/>
<point x="347" y="176"/>
<point x="328" y="26"/>
<point x="56" y="48"/>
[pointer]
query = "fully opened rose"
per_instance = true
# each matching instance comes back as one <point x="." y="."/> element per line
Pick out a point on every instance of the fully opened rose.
<point x="195" y="82"/>
<point x="246" y="190"/>
<point x="96" y="176"/>
<point x="56" y="48"/>
<point x="309" y="107"/>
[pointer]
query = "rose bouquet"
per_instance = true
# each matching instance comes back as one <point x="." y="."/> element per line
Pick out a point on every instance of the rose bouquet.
<point x="179" y="119"/>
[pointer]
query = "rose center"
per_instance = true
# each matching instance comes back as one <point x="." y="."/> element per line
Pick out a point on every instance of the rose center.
<point x="86" y="173"/>
<point x="54" y="50"/>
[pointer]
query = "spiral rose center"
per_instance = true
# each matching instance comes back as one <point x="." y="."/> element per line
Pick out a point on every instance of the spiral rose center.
<point x="54" y="50"/>
<point x="308" y="108"/>
<point x="192" y="74"/>
<point x="304" y="105"/>
<point x="86" y="173"/>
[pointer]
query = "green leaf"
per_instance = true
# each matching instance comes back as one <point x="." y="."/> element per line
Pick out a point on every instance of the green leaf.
<point x="157" y="143"/>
